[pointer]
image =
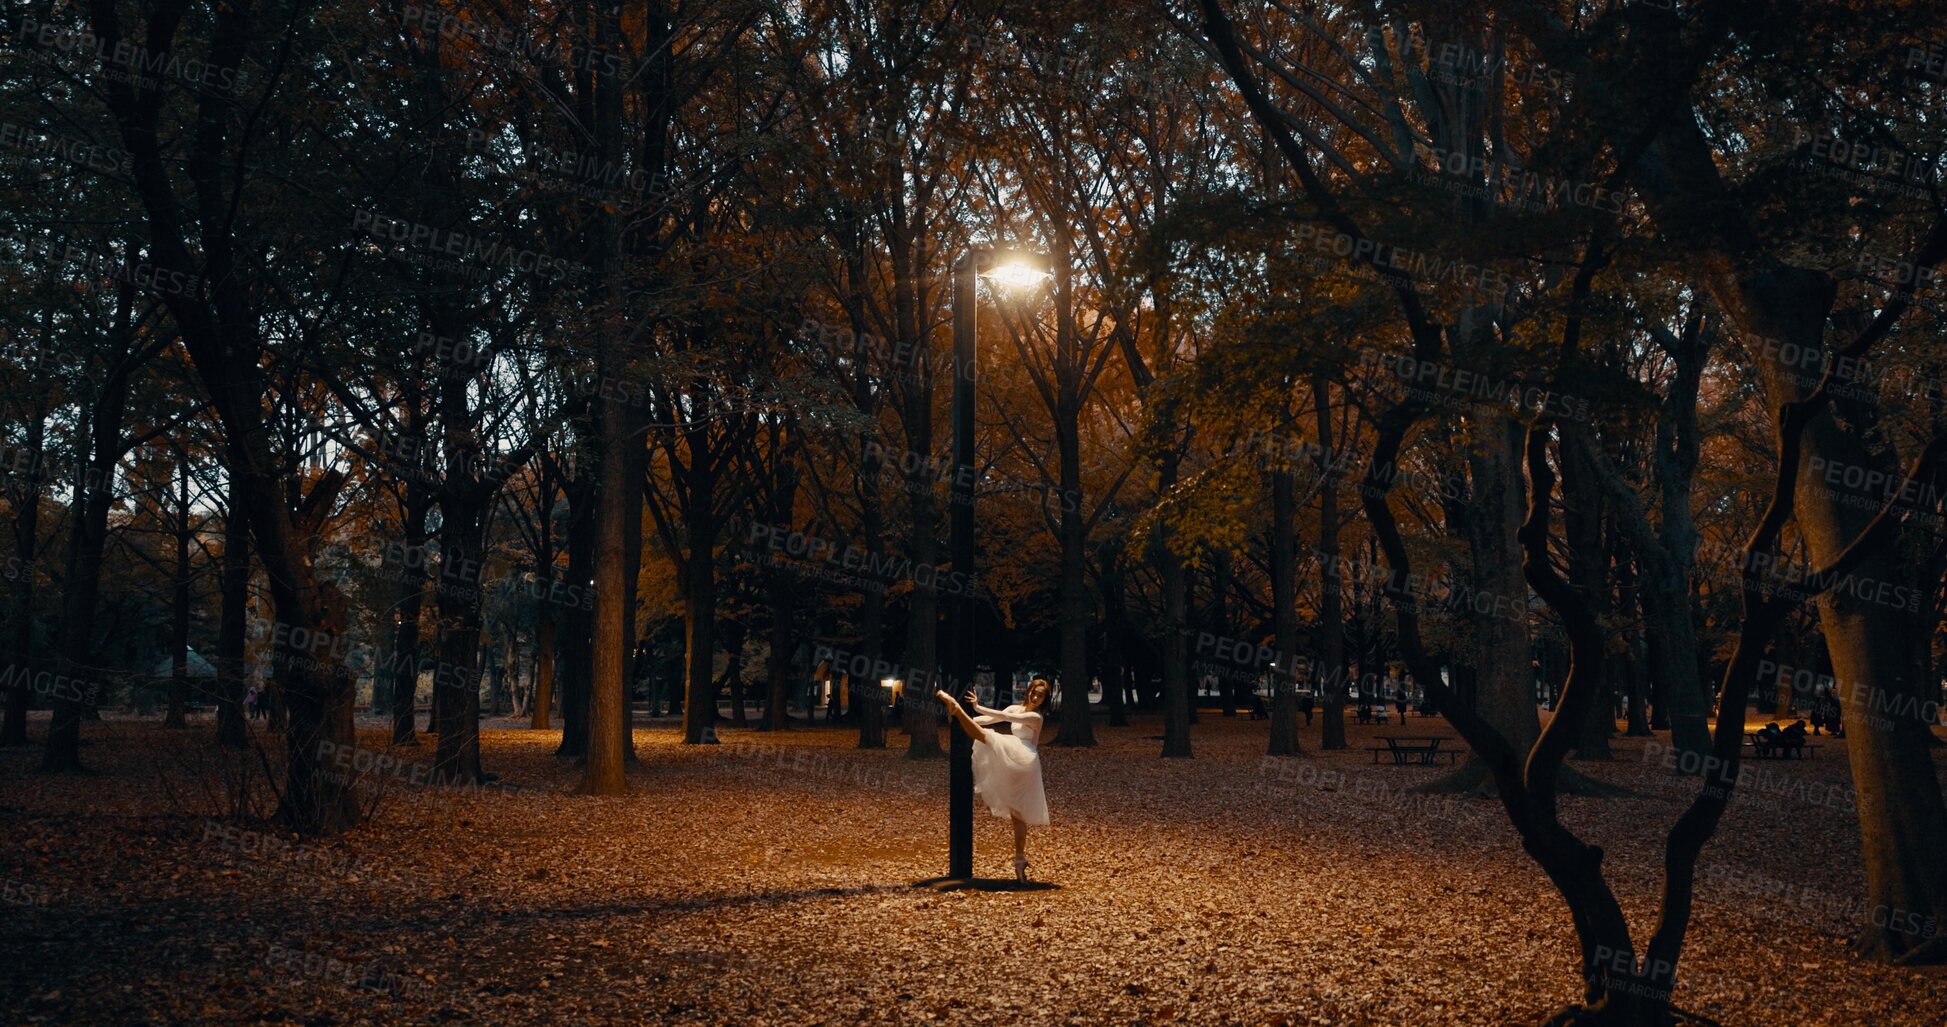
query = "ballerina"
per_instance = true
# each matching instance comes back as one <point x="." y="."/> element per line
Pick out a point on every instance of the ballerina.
<point x="1007" y="767"/>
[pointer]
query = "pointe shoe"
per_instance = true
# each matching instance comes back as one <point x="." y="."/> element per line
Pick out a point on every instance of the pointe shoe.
<point x="1021" y="868"/>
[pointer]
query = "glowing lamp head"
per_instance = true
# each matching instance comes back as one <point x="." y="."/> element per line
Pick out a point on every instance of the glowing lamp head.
<point x="1017" y="271"/>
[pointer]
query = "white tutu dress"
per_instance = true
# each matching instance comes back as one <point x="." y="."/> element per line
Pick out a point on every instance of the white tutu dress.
<point x="1007" y="767"/>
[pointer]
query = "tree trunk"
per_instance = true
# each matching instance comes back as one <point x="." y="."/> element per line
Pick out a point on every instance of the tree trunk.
<point x="635" y="420"/>
<point x="405" y="635"/>
<point x="735" y="632"/>
<point x="495" y="667"/>
<point x="1504" y="686"/>
<point x="1902" y="816"/>
<point x="603" y="773"/>
<point x="87" y="536"/>
<point x="1075" y="603"/>
<point x="1177" y="697"/>
<point x="777" y="669"/>
<point x="27" y="519"/>
<point x="700" y="614"/>
<point x="1284" y="612"/>
<point x="920" y="711"/>
<point x="1636" y="666"/>
<point x="541" y="711"/>
<point x="456" y="681"/>
<point x="1588" y="557"/>
<point x="1505" y="696"/>
<point x="783" y="601"/>
<point x="179" y="606"/>
<point x="576" y="641"/>
<point x="1328" y="677"/>
<point x="219" y="329"/>
<point x="872" y="598"/>
<point x="1116" y="666"/>
<point x="232" y="726"/>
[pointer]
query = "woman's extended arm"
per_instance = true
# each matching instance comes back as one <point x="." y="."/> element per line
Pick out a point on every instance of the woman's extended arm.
<point x="993" y="716"/>
<point x="982" y="711"/>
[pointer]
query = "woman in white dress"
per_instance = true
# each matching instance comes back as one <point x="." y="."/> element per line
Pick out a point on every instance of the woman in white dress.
<point x="1007" y="767"/>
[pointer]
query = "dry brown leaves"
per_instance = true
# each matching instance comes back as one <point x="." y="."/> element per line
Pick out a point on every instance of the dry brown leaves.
<point x="769" y="880"/>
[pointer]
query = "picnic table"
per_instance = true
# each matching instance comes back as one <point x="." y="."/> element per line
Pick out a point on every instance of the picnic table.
<point x="1775" y="750"/>
<point x="1420" y="749"/>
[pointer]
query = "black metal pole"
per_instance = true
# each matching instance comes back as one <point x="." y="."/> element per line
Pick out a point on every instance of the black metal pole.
<point x="960" y="605"/>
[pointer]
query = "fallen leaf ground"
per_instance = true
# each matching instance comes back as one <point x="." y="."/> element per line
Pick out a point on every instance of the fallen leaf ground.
<point x="769" y="880"/>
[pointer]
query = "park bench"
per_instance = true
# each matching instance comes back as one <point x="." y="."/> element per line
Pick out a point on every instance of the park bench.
<point x="1763" y="750"/>
<point x="1408" y="749"/>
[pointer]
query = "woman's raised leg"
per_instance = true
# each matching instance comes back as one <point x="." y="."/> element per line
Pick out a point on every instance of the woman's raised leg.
<point x="973" y="730"/>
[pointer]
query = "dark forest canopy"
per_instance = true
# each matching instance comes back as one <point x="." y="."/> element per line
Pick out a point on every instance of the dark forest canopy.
<point x="541" y="358"/>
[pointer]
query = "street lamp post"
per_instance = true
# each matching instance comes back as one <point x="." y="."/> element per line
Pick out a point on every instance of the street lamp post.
<point x="1013" y="268"/>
